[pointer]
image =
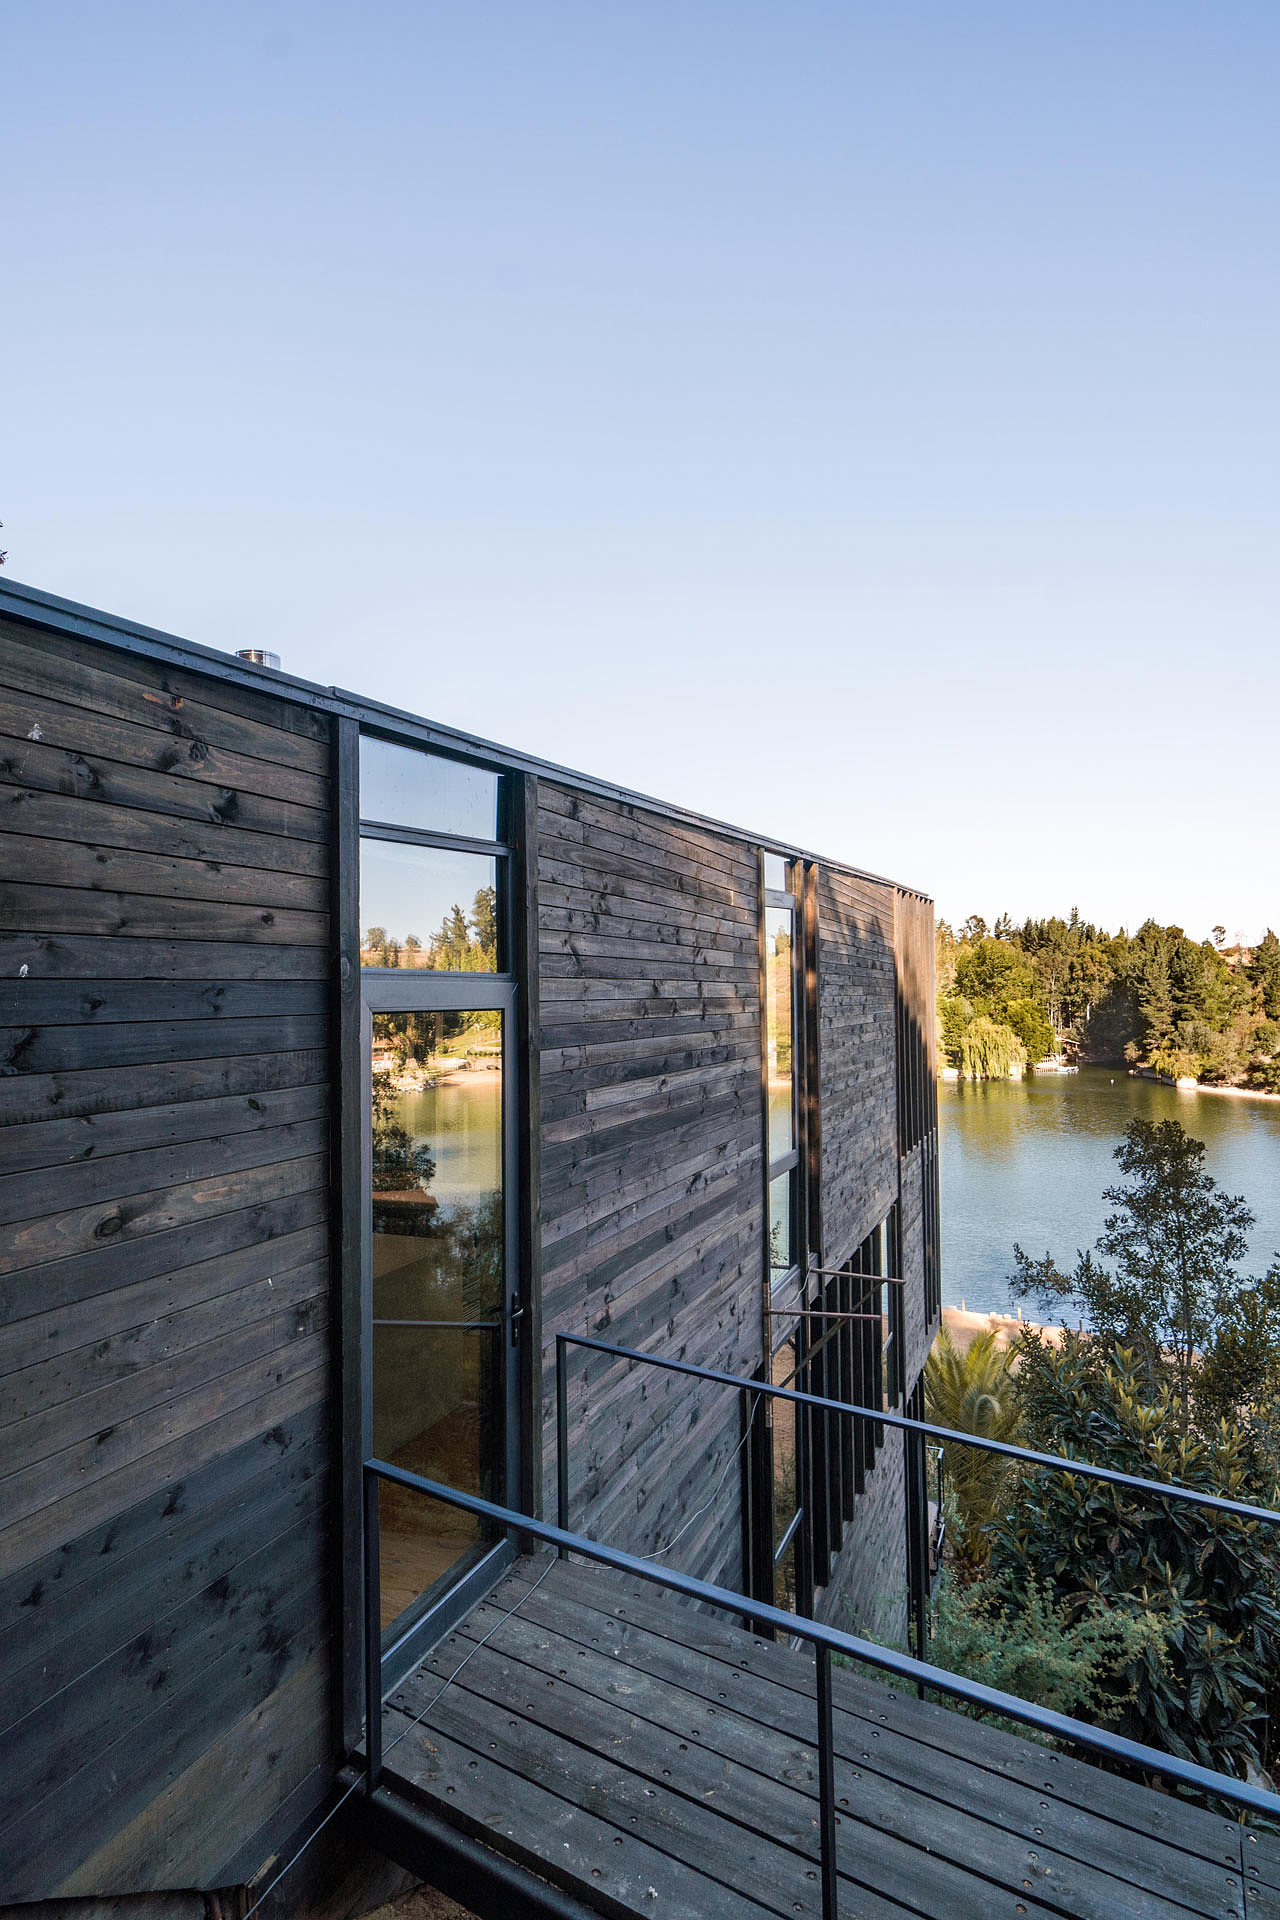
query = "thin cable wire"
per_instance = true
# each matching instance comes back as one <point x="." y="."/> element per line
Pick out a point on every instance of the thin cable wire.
<point x="500" y="1622"/>
<point x="314" y="1835"/>
<point x="659" y="1552"/>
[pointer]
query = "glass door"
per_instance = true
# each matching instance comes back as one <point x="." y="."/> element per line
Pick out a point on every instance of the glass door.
<point x="442" y="1293"/>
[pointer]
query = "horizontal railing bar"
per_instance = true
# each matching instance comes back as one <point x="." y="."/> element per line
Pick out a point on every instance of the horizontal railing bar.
<point x="459" y="1326"/>
<point x="904" y="1665"/>
<point x="842" y="1273"/>
<point x="820" y="1313"/>
<point x="1060" y="1463"/>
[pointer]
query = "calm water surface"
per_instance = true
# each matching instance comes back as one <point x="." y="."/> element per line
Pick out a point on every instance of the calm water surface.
<point x="460" y="1119"/>
<point x="1027" y="1160"/>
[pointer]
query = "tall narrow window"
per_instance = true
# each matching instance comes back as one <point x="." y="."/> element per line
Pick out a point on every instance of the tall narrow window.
<point x="781" y="1106"/>
<point x="441" y="1268"/>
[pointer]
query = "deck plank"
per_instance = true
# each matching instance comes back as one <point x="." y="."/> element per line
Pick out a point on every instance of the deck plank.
<point x="657" y="1759"/>
<point x="548" y="1803"/>
<point x="1004" y="1832"/>
<point x="1174" y="1822"/>
<point x="895" y="1821"/>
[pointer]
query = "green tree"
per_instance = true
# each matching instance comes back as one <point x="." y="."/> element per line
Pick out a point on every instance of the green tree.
<point x="1022" y="1639"/>
<point x="484" y="925"/>
<point x="1168" y="1276"/>
<point x="991" y="973"/>
<point x="1028" y="1019"/>
<point x="954" y="1018"/>
<point x="988" y="1050"/>
<point x="1264" y="972"/>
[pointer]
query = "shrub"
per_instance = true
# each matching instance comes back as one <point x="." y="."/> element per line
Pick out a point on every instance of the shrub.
<point x="1024" y="1641"/>
<point x="972" y="1392"/>
<point x="1210" y="1581"/>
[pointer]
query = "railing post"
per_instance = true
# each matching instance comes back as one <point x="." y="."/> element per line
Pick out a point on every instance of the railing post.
<point x="916" y="1503"/>
<point x="372" y="1633"/>
<point x="827" y="1788"/>
<point x="562" y="1438"/>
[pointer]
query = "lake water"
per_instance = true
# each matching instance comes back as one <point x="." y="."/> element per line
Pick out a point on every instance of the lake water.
<point x="1027" y="1160"/>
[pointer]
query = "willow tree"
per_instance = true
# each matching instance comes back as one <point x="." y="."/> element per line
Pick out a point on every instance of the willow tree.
<point x="989" y="1051"/>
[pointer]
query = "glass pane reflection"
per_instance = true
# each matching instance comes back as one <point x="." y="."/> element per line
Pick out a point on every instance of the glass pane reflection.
<point x="785" y="1491"/>
<point x="439" y="1273"/>
<point x="781" y="1239"/>
<point x="778" y="1030"/>
<point x="404" y="788"/>
<point x="428" y="907"/>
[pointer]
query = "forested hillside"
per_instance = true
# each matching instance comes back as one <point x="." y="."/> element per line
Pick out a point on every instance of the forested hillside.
<point x="1008" y="995"/>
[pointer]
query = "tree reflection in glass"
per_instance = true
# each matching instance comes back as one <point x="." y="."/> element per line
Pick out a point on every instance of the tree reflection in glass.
<point x="428" y="907"/>
<point x="438" y="1276"/>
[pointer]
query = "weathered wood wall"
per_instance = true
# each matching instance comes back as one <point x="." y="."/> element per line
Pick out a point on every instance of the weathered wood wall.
<point x="652" y="1229"/>
<point x="857" y="1075"/>
<point x="917" y="1124"/>
<point x="165" y="1565"/>
<point x="878" y="1134"/>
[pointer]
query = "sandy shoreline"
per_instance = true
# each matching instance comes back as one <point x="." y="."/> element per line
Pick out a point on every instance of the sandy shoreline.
<point x="964" y="1327"/>
<point x="1233" y="1093"/>
<point x="1137" y="1073"/>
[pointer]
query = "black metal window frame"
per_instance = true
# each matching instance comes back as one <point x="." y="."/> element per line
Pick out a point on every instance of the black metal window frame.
<point x="414" y="989"/>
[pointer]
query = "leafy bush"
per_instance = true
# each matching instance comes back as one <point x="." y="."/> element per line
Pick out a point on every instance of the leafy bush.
<point x="1024" y="1641"/>
<point x="1209" y="1582"/>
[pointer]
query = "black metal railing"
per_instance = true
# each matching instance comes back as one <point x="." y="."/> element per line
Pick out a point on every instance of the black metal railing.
<point x="917" y="1434"/>
<point x="826" y="1641"/>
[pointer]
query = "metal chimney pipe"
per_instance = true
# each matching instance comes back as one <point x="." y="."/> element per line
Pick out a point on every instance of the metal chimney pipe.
<point x="258" y="656"/>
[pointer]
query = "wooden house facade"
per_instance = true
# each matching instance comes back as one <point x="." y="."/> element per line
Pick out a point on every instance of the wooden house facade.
<point x="346" y="1061"/>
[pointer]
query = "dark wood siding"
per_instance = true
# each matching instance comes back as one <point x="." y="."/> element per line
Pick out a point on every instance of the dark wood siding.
<point x="918" y="1125"/>
<point x="165" y="1556"/>
<point x="858" y="1092"/>
<point x="879" y="1144"/>
<point x="652" y="1177"/>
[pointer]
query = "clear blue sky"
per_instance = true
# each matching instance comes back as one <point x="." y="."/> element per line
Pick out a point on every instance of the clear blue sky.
<point x="856" y="421"/>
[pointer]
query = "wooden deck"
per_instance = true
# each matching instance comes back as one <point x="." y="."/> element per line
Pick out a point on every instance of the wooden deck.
<point x="654" y="1761"/>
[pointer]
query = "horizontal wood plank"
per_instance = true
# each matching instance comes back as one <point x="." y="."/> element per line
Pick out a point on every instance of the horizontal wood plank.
<point x="35" y="1489"/>
<point x="28" y="908"/>
<point x="60" y="1049"/>
<point x="144" y="1307"/>
<point x="118" y="1263"/>
<point x="111" y="870"/>
<point x="49" y="956"/>
<point x="71" y="749"/>
<point x="30" y="1098"/>
<point x="54" y="1238"/>
<point x="63" y="1143"/>
<point x="58" y="816"/>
